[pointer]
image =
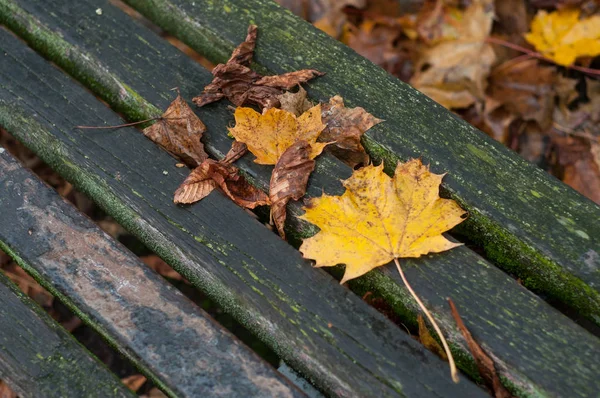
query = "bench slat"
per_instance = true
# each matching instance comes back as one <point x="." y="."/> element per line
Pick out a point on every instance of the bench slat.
<point x="527" y="221"/>
<point x="38" y="358"/>
<point x="477" y="287"/>
<point x="317" y="326"/>
<point x="178" y="345"/>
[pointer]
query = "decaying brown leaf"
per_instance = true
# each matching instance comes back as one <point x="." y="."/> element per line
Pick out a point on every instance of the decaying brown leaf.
<point x="6" y="391"/>
<point x="179" y="131"/>
<point x="525" y="89"/>
<point x="454" y="72"/>
<point x="134" y="382"/>
<point x="288" y="181"/>
<point x="222" y="174"/>
<point x="241" y="85"/>
<point x="428" y="341"/>
<point x="295" y="103"/>
<point x="344" y="128"/>
<point x="484" y="362"/>
<point x="327" y="15"/>
<point x="382" y="43"/>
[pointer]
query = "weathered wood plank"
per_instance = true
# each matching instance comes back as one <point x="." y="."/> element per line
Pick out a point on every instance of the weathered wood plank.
<point x="38" y="358"/>
<point x="317" y="326"/>
<point x="528" y="222"/>
<point x="526" y="354"/>
<point x="177" y="344"/>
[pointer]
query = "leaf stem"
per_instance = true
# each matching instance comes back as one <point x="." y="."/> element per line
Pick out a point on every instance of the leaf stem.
<point x="495" y="40"/>
<point x="453" y="371"/>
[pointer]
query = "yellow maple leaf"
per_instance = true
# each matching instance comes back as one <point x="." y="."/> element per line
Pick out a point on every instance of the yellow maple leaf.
<point x="269" y="135"/>
<point x="379" y="218"/>
<point x="563" y="37"/>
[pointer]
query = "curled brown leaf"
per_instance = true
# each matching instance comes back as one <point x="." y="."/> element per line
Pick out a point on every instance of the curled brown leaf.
<point x="240" y="84"/>
<point x="179" y="131"/>
<point x="289" y="180"/>
<point x="226" y="177"/>
<point x="344" y="128"/>
<point x="484" y="362"/>
<point x="295" y="103"/>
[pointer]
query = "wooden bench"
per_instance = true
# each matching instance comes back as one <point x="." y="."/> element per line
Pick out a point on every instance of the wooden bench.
<point x="528" y="223"/>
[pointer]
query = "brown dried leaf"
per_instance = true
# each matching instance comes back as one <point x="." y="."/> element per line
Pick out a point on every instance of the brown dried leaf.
<point x="578" y="164"/>
<point x="28" y="285"/>
<point x="289" y="180"/>
<point x="327" y="15"/>
<point x="222" y="174"/>
<point x="454" y="72"/>
<point x="382" y="43"/>
<point x="197" y="185"/>
<point x="179" y="131"/>
<point x="134" y="382"/>
<point x="295" y="103"/>
<point x="160" y="266"/>
<point x="526" y="89"/>
<point x="345" y="127"/>
<point x="428" y="341"/>
<point x="240" y="85"/>
<point x="6" y="391"/>
<point x="484" y="362"/>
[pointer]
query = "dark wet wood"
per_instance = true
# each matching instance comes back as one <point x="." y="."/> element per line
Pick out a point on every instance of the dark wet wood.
<point x="528" y="222"/>
<point x="319" y="327"/>
<point x="177" y="344"/>
<point x="38" y="358"/>
<point x="528" y="353"/>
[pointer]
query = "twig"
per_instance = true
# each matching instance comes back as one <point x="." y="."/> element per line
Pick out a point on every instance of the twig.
<point x="453" y="371"/>
<point x="117" y="126"/>
<point x="495" y="40"/>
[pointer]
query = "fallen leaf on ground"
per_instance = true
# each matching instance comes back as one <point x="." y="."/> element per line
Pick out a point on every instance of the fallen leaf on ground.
<point x="437" y="21"/>
<point x="154" y="393"/>
<point x="454" y="72"/>
<point x="270" y="134"/>
<point x="162" y="268"/>
<point x="344" y="128"/>
<point x="578" y="165"/>
<point x="238" y="83"/>
<point x="378" y="219"/>
<point x="134" y="382"/>
<point x="327" y="15"/>
<point x="295" y="103"/>
<point x="6" y="391"/>
<point x="427" y="339"/>
<point x="525" y="89"/>
<point x="383" y="45"/>
<point x="288" y="181"/>
<point x="563" y="37"/>
<point x="179" y="131"/>
<point x="27" y="284"/>
<point x="222" y="174"/>
<point x="484" y="362"/>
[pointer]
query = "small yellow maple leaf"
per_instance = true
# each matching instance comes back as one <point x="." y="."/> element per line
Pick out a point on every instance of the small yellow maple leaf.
<point x="269" y="135"/>
<point x="563" y="37"/>
<point x="379" y="218"/>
